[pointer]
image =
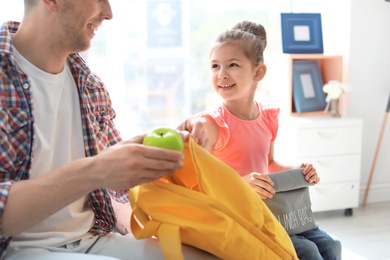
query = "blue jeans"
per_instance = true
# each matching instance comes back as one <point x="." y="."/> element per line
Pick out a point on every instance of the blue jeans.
<point x="316" y="244"/>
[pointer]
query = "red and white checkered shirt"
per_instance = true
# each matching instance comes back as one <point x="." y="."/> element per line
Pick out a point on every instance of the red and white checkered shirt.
<point x="17" y="128"/>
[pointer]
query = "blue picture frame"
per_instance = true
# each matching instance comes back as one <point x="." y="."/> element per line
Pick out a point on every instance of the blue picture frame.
<point x="302" y="33"/>
<point x="307" y="84"/>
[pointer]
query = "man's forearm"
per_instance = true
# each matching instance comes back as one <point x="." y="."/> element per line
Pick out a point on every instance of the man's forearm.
<point x="31" y="201"/>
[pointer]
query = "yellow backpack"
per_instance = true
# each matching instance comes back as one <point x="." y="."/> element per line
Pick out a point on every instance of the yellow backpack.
<point x="207" y="205"/>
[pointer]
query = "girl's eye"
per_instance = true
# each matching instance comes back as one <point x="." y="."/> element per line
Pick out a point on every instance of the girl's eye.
<point x="234" y="65"/>
<point x="214" y="66"/>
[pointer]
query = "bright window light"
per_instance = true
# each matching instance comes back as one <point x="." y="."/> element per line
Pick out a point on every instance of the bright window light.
<point x="153" y="55"/>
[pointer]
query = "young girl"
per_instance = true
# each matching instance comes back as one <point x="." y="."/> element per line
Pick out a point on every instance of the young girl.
<point x="242" y="131"/>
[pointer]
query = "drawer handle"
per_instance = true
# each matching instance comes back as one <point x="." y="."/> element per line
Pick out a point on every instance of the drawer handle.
<point x="327" y="134"/>
<point x="325" y="190"/>
<point x="328" y="163"/>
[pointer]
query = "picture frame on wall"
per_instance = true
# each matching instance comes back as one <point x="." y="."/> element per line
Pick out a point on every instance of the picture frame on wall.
<point x="302" y="33"/>
<point x="307" y="86"/>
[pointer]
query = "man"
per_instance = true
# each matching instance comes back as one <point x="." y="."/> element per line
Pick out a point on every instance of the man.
<point x="60" y="154"/>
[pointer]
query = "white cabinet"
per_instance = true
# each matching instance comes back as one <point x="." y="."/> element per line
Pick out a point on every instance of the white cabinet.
<point x="334" y="146"/>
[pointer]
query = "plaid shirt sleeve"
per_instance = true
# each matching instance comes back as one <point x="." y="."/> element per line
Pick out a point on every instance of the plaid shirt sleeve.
<point x="15" y="122"/>
<point x="4" y="190"/>
<point x="99" y="133"/>
<point x="120" y="196"/>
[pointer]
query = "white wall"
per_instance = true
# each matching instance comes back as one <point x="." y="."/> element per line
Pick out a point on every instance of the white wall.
<point x="369" y="76"/>
<point x="335" y="19"/>
<point x="359" y="30"/>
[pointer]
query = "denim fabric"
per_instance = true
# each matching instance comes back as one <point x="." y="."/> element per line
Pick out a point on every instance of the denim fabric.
<point x="316" y="244"/>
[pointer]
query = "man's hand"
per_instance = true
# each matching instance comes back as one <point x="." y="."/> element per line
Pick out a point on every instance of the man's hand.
<point x="129" y="163"/>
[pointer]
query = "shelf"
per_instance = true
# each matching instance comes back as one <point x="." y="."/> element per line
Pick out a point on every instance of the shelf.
<point x="331" y="68"/>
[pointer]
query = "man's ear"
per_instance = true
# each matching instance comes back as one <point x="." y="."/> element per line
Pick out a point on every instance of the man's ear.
<point x="51" y="4"/>
<point x="260" y="71"/>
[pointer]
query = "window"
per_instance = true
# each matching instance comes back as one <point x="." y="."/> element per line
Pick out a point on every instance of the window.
<point x="153" y="56"/>
<point x="11" y="10"/>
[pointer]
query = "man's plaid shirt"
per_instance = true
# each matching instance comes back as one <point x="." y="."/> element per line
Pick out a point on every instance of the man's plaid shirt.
<point x="17" y="127"/>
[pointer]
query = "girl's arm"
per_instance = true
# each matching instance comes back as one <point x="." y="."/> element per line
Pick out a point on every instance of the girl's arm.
<point x="309" y="170"/>
<point x="212" y="130"/>
<point x="274" y="166"/>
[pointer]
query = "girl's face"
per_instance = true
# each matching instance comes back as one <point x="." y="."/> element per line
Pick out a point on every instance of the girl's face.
<point x="234" y="76"/>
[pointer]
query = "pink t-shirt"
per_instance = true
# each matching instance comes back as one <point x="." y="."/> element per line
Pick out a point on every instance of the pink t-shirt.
<point x="244" y="144"/>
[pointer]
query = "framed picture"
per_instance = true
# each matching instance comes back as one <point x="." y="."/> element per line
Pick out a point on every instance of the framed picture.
<point x="302" y="33"/>
<point x="307" y="86"/>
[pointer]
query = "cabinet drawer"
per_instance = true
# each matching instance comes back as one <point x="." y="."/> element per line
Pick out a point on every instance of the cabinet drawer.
<point x="328" y="141"/>
<point x="334" y="196"/>
<point x="340" y="168"/>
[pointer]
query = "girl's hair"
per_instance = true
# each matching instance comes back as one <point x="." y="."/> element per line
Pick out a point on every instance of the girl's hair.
<point x="251" y="37"/>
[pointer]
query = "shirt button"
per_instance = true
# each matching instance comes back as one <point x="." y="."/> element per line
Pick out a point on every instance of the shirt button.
<point x="25" y="85"/>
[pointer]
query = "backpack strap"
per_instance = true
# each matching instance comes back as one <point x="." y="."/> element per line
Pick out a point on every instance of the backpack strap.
<point x="168" y="234"/>
<point x="170" y="241"/>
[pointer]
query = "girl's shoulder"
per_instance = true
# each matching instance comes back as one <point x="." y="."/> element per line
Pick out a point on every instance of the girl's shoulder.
<point x="217" y="114"/>
<point x="217" y="127"/>
<point x="271" y="111"/>
<point x="270" y="115"/>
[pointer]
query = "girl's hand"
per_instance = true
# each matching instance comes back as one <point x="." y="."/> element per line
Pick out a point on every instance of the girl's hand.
<point x="261" y="183"/>
<point x="193" y="126"/>
<point x="310" y="173"/>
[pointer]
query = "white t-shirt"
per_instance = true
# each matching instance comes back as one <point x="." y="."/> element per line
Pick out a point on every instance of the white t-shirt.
<point x="59" y="140"/>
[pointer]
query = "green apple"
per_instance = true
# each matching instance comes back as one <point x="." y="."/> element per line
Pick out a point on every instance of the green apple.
<point x="164" y="137"/>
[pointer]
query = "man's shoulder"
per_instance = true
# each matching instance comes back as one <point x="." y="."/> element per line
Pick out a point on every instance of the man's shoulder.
<point x="6" y="30"/>
<point x="81" y="70"/>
